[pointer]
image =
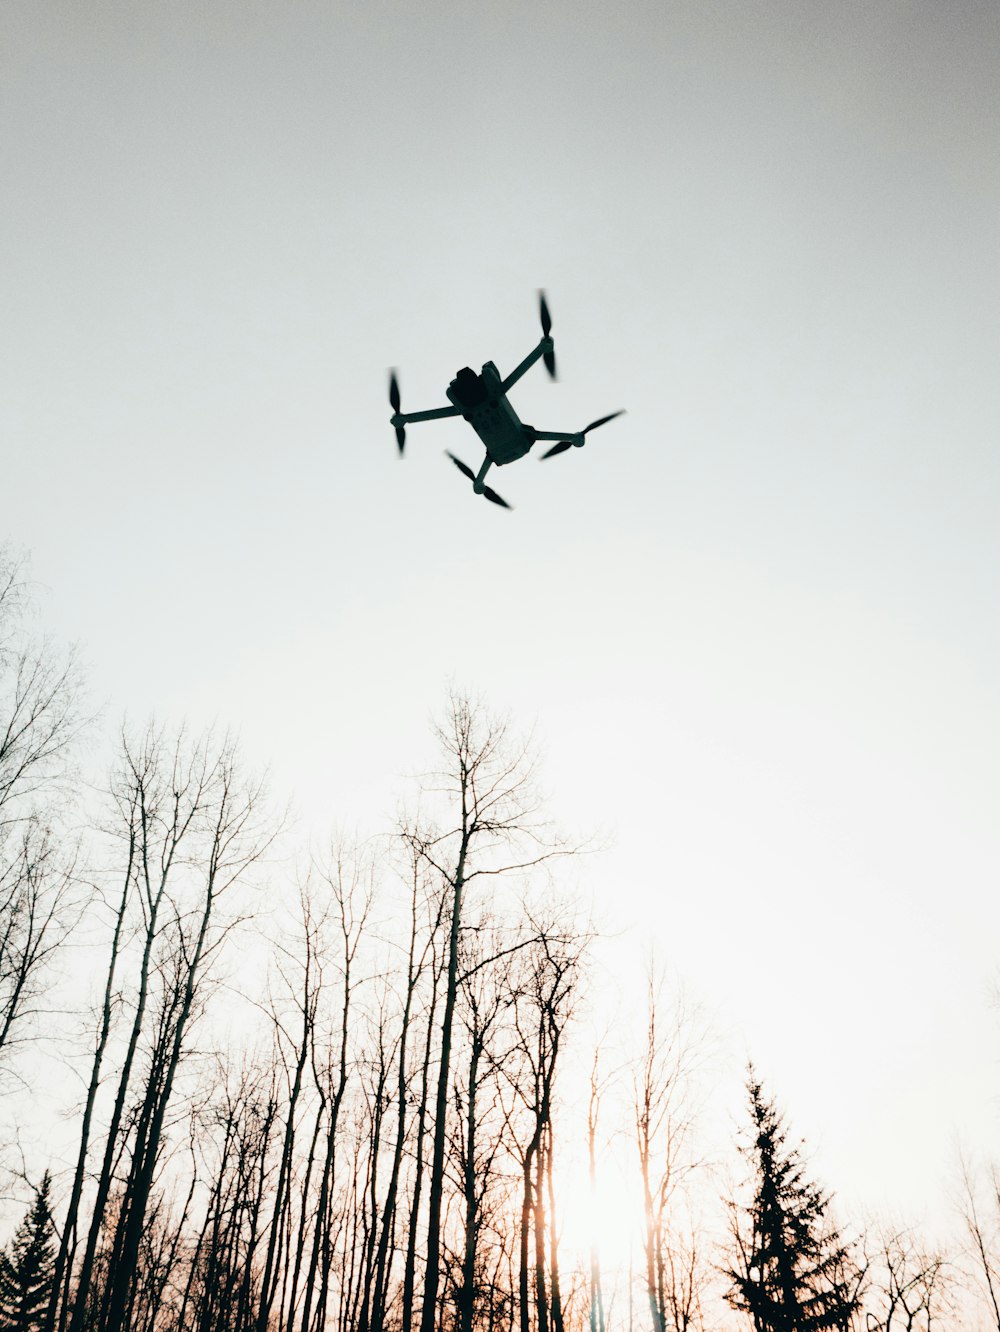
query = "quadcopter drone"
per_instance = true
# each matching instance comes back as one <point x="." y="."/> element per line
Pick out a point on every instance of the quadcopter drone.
<point x="482" y="401"/>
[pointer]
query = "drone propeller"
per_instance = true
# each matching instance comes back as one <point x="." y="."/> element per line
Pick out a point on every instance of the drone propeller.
<point x="495" y="498"/>
<point x="548" y="357"/>
<point x="565" y="444"/>
<point x="603" y="421"/>
<point x="394" y="404"/>
<point x="466" y="471"/>
<point x="489" y="494"/>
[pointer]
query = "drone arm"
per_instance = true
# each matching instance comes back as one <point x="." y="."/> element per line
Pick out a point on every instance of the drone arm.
<point x="435" y="414"/>
<point x="545" y="345"/>
<point x="553" y="434"/>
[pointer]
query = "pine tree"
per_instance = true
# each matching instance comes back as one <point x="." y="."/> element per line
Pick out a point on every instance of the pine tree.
<point x="27" y="1268"/>
<point x="791" y="1272"/>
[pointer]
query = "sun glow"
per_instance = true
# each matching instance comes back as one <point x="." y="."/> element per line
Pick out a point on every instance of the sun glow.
<point x="607" y="1215"/>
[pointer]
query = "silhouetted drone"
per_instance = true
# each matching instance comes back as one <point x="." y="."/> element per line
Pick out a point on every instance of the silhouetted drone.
<point x="482" y="401"/>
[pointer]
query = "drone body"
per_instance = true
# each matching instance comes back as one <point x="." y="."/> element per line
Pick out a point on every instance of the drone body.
<point x="484" y="404"/>
<point x="482" y="401"/>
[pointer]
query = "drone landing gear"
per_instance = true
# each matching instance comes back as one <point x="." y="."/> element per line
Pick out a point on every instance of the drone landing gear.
<point x="477" y="481"/>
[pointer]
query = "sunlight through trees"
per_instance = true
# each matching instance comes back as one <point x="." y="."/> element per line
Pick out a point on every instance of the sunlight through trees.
<point x="360" y="1091"/>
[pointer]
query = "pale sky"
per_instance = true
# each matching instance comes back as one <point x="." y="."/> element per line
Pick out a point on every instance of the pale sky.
<point x="754" y="622"/>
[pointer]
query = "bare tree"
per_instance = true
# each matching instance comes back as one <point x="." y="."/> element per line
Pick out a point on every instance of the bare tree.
<point x="492" y="829"/>
<point x="198" y="827"/>
<point x="41" y="713"/>
<point x="350" y="886"/>
<point x="486" y="1001"/>
<point x="369" y="1153"/>
<point x="41" y="718"/>
<point x="426" y="909"/>
<point x="295" y="1042"/>
<point x="664" y="1124"/>
<point x="332" y="954"/>
<point x="235" y="1135"/>
<point x="438" y="962"/>
<point x="982" y="1230"/>
<point x="912" y="1287"/>
<point x="593" y="1116"/>
<point x="40" y="903"/>
<point x="544" y="1006"/>
<point x="68" y="1238"/>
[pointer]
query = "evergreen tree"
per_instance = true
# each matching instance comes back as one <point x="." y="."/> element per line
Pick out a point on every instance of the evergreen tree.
<point x="27" y="1268"/>
<point x="791" y="1271"/>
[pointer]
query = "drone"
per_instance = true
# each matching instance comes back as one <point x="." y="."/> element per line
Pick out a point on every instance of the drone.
<point x="482" y="401"/>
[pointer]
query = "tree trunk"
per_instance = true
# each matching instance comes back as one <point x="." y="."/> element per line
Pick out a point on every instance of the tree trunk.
<point x="470" y="1190"/>
<point x="121" y="1277"/>
<point x="556" y="1294"/>
<point x="541" y="1295"/>
<point x="409" y="1267"/>
<point x="524" y="1304"/>
<point x="428" y="1315"/>
<point x="596" y="1287"/>
<point x="63" y="1268"/>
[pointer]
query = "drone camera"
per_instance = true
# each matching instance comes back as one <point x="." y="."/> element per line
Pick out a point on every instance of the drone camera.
<point x="469" y="389"/>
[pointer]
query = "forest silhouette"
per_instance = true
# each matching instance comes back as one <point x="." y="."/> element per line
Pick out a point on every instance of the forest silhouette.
<point x="377" y="1142"/>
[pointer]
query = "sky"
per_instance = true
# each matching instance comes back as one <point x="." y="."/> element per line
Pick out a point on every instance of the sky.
<point x="753" y="624"/>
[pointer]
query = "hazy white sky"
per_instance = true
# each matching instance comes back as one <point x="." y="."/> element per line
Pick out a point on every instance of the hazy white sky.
<point x="755" y="621"/>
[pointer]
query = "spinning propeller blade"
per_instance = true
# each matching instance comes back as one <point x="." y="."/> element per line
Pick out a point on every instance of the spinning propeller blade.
<point x="561" y="447"/>
<point x="466" y="471"/>
<point x="603" y="421"/>
<point x="394" y="404"/>
<point x="543" y="312"/>
<point x="495" y="498"/>
<point x="548" y="357"/>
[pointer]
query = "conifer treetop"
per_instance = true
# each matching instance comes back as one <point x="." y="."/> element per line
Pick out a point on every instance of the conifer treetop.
<point x="791" y="1270"/>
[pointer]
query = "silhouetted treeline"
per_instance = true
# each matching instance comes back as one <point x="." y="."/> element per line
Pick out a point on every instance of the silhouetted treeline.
<point x="333" y="1098"/>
